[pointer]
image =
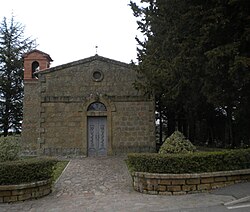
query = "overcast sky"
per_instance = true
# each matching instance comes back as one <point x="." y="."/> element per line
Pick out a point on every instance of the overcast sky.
<point x="70" y="30"/>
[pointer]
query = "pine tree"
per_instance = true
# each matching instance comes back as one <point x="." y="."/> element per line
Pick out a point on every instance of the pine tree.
<point x="195" y="58"/>
<point x="13" y="45"/>
<point x="171" y="61"/>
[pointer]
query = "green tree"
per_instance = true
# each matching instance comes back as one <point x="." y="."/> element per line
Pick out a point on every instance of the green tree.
<point x="170" y="60"/>
<point x="12" y="45"/>
<point x="225" y="32"/>
<point x="195" y="58"/>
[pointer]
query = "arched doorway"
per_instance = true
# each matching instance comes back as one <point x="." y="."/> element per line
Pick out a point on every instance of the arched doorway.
<point x="97" y="130"/>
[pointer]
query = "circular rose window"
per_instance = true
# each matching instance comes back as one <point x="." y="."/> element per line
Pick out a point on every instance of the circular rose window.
<point x="97" y="76"/>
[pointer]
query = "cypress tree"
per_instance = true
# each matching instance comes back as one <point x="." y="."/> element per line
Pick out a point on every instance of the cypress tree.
<point x="13" y="44"/>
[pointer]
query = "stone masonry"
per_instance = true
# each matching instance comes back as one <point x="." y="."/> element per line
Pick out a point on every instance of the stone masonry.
<point x="21" y="192"/>
<point x="56" y="108"/>
<point x="177" y="184"/>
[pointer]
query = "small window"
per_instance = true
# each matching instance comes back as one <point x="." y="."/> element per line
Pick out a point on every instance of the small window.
<point x="35" y="67"/>
<point x="97" y="106"/>
<point x="97" y="76"/>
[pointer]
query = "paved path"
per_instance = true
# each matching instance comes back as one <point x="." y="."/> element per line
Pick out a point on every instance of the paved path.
<point x="104" y="184"/>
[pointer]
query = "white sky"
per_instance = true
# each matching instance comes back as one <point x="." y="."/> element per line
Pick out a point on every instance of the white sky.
<point x="70" y="30"/>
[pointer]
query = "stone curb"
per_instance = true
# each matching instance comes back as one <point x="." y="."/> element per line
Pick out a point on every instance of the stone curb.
<point x="244" y="199"/>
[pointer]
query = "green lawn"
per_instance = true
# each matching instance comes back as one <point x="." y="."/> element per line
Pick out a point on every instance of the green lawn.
<point x="59" y="167"/>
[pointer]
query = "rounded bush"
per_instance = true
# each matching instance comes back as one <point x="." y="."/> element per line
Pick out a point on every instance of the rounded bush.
<point x="177" y="143"/>
<point x="26" y="170"/>
<point x="9" y="148"/>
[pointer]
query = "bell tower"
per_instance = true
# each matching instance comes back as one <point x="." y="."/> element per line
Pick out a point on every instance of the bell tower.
<point x="34" y="61"/>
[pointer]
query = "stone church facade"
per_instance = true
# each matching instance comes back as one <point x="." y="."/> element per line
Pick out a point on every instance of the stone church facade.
<point x="87" y="107"/>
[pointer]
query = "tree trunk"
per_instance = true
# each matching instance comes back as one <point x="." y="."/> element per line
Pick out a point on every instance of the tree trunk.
<point x="230" y="126"/>
<point x="5" y="122"/>
<point x="6" y="116"/>
<point x="171" y="122"/>
<point x="161" y="125"/>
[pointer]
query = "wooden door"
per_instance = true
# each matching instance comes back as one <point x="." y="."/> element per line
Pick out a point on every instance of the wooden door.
<point x="97" y="136"/>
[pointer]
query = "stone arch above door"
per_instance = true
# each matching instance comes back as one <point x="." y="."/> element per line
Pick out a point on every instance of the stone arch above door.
<point x="97" y="106"/>
<point x="99" y="98"/>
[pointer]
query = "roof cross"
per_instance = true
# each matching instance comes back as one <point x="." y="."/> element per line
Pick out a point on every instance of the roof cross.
<point x="96" y="49"/>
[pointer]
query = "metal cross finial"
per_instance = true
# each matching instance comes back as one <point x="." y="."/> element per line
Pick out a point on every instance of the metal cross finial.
<point x="96" y="49"/>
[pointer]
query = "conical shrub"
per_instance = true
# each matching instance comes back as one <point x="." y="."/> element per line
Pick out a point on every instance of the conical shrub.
<point x="177" y="143"/>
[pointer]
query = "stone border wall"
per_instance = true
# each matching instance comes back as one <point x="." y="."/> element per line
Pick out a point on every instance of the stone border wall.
<point x="176" y="184"/>
<point x="14" y="193"/>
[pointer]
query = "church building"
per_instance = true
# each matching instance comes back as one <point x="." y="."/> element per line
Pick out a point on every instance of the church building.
<point x="87" y="107"/>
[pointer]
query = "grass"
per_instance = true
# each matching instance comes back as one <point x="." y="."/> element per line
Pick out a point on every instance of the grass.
<point x="59" y="167"/>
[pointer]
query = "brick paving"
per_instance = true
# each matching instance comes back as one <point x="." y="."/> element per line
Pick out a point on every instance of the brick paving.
<point x="104" y="184"/>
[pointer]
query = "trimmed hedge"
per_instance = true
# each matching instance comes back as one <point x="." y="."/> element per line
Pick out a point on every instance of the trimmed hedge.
<point x="189" y="163"/>
<point x="26" y="170"/>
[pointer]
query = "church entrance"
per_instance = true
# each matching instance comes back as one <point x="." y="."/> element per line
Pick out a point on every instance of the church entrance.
<point x="97" y="136"/>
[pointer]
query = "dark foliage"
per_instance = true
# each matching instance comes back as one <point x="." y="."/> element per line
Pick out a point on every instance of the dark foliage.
<point x="196" y="60"/>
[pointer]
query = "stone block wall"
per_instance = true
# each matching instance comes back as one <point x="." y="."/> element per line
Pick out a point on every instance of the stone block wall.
<point x="177" y="184"/>
<point x="31" y="116"/>
<point x="62" y="129"/>
<point x="21" y="192"/>
<point x="133" y="127"/>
